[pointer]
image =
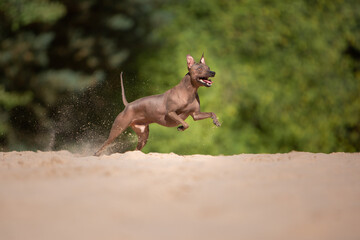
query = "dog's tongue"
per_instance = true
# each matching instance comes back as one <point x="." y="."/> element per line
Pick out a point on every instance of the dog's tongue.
<point x="207" y="81"/>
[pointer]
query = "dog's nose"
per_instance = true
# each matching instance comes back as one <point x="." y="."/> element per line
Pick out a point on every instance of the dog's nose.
<point x="212" y="74"/>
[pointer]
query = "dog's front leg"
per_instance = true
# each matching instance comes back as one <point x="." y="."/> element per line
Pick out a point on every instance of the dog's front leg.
<point x="203" y="115"/>
<point x="178" y="119"/>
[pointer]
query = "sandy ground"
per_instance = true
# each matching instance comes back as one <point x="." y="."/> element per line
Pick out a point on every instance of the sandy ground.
<point x="60" y="195"/>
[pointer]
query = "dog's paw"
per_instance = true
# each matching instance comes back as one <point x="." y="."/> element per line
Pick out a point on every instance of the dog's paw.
<point x="217" y="123"/>
<point x="181" y="128"/>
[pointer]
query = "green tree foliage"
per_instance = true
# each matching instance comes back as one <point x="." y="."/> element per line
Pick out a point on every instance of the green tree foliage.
<point x="288" y="75"/>
<point x="287" y="72"/>
<point x="24" y="12"/>
<point x="19" y="54"/>
<point x="59" y="64"/>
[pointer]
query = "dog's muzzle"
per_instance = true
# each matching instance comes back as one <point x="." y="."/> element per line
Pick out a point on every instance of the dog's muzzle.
<point x="205" y="80"/>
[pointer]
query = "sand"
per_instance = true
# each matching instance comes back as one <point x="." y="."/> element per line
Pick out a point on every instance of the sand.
<point x="298" y="195"/>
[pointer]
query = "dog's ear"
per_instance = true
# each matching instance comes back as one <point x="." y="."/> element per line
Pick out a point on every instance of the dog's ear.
<point x="202" y="60"/>
<point x="190" y="61"/>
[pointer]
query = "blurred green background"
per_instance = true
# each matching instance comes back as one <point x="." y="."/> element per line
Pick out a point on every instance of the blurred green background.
<point x="287" y="72"/>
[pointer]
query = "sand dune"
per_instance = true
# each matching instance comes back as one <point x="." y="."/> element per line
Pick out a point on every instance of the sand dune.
<point x="60" y="195"/>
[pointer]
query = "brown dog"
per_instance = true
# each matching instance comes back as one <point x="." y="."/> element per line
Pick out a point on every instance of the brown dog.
<point x="169" y="109"/>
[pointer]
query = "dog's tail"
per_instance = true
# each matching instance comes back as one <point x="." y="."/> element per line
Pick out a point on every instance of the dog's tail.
<point x="123" y="91"/>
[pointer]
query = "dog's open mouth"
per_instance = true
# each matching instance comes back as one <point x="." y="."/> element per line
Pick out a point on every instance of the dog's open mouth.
<point x="206" y="81"/>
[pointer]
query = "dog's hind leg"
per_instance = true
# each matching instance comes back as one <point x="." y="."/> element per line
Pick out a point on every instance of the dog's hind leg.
<point x="121" y="122"/>
<point x="142" y="131"/>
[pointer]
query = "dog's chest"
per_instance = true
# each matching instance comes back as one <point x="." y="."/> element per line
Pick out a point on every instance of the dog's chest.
<point x="188" y="105"/>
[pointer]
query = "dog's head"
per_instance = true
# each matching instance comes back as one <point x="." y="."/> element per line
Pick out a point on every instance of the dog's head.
<point x="199" y="72"/>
